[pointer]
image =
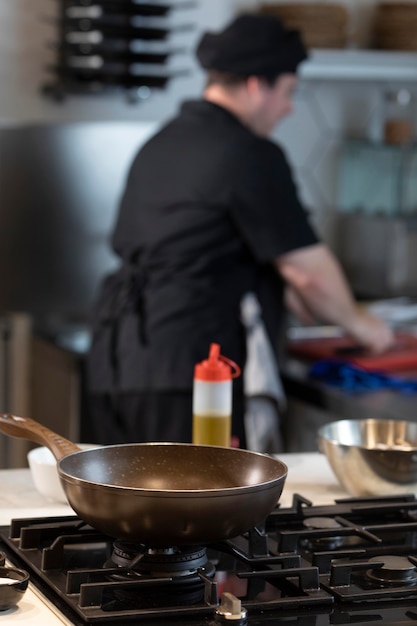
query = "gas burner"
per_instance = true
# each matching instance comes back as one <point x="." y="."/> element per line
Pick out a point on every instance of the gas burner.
<point x="330" y="542"/>
<point x="396" y="570"/>
<point x="178" y="573"/>
<point x="172" y="562"/>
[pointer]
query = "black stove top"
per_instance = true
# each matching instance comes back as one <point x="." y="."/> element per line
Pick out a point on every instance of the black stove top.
<point x="351" y="562"/>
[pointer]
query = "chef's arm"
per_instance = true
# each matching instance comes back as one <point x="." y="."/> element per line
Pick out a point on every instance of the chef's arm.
<point x="295" y="304"/>
<point x="318" y="284"/>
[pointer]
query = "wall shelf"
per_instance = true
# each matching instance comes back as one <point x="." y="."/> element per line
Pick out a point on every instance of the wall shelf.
<point x="349" y="64"/>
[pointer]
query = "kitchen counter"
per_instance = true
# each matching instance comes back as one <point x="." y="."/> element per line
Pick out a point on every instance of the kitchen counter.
<point x="308" y="474"/>
<point x="387" y="403"/>
<point x="312" y="403"/>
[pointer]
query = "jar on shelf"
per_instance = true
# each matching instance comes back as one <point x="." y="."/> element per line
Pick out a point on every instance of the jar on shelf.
<point x="398" y="124"/>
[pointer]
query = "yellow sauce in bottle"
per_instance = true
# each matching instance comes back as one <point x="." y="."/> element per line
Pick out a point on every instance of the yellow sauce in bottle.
<point x="213" y="430"/>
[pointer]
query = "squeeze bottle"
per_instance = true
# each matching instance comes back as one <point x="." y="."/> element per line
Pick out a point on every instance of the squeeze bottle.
<point x="212" y="399"/>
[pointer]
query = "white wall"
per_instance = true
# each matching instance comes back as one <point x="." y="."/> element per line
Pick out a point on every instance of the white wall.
<point x="326" y="114"/>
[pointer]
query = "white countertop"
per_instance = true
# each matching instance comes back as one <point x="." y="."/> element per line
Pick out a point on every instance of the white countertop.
<point x="309" y="474"/>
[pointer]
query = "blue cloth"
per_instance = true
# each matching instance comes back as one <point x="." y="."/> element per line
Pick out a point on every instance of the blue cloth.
<point x="354" y="378"/>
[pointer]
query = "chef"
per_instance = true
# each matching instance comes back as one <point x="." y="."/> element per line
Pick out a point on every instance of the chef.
<point x="210" y="213"/>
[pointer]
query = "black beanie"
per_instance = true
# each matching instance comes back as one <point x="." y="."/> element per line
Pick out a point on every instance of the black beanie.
<point x="252" y="45"/>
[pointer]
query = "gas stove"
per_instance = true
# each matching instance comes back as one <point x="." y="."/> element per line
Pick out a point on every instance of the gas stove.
<point x="350" y="562"/>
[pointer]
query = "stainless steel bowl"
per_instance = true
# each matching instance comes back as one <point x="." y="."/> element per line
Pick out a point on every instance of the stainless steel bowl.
<point x="372" y="457"/>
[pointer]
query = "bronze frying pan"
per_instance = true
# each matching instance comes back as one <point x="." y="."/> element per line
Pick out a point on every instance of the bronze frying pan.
<point x="161" y="494"/>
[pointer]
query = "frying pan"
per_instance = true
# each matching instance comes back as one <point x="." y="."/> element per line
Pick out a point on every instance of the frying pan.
<point x="161" y="494"/>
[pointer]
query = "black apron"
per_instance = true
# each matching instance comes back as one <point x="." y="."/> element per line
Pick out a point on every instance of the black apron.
<point x="119" y="301"/>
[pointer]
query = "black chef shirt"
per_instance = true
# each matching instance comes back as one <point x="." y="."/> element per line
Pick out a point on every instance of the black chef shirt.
<point x="208" y="206"/>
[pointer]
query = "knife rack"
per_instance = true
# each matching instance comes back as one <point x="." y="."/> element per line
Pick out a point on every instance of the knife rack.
<point x="122" y="46"/>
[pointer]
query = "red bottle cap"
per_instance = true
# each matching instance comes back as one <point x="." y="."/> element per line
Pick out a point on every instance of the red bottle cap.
<point x="217" y="367"/>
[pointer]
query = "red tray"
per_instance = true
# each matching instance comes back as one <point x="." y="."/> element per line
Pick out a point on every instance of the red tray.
<point x="402" y="356"/>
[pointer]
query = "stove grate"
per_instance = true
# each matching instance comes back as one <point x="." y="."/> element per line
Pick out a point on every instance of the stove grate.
<point x="305" y="562"/>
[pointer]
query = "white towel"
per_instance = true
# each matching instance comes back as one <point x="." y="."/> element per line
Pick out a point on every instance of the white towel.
<point x="263" y="388"/>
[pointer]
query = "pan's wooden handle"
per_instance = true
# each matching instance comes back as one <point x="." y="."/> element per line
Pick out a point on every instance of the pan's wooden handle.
<point x="27" y="428"/>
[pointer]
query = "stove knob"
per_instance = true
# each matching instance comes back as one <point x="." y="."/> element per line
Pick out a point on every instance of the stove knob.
<point x="231" y="609"/>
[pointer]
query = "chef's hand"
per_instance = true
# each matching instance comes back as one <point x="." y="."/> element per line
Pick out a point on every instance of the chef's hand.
<point x="371" y="332"/>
